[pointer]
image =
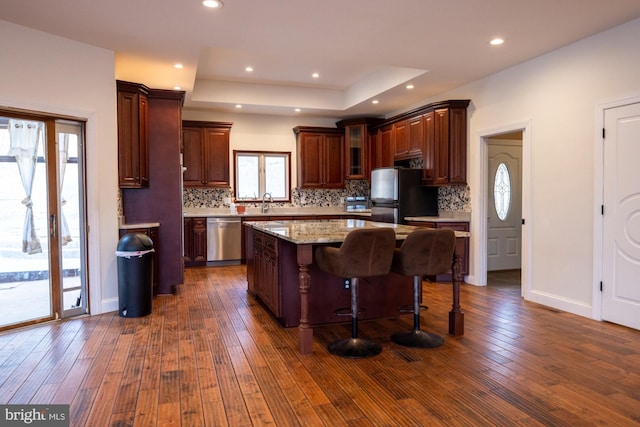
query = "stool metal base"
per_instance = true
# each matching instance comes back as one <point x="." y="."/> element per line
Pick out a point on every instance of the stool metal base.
<point x="354" y="348"/>
<point x="417" y="339"/>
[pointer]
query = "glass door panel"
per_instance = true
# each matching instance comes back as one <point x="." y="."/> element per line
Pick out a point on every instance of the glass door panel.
<point x="25" y="287"/>
<point x="69" y="137"/>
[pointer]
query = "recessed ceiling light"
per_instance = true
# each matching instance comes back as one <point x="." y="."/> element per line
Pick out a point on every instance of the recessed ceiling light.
<point x="249" y="69"/>
<point x="177" y="88"/>
<point x="297" y="110"/>
<point x="178" y="66"/>
<point x="375" y="101"/>
<point x="213" y="4"/>
<point x="238" y="106"/>
<point x="315" y="75"/>
<point x="409" y="86"/>
<point x="497" y="41"/>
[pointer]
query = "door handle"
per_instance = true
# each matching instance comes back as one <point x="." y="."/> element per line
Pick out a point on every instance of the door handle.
<point x="53" y="227"/>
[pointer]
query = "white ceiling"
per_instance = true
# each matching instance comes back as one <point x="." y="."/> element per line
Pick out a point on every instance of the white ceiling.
<point x="363" y="49"/>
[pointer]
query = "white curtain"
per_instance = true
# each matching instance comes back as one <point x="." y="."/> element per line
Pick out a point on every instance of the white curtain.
<point x="24" y="136"/>
<point x="63" y="156"/>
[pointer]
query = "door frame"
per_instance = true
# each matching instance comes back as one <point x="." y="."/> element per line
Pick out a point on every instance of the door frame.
<point x="54" y="210"/>
<point x="479" y="233"/>
<point x="598" y="197"/>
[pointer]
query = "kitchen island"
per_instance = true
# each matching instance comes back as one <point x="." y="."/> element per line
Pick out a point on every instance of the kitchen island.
<point x="280" y="270"/>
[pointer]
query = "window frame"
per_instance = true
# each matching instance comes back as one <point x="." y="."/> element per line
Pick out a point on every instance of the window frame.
<point x="261" y="162"/>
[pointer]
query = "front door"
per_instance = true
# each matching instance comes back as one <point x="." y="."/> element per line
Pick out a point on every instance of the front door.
<point x="504" y="222"/>
<point x="621" y="221"/>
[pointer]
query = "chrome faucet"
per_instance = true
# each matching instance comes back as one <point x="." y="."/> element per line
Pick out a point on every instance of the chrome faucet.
<point x="265" y="207"/>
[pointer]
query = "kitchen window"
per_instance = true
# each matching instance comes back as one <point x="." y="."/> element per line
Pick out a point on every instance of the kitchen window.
<point x="260" y="172"/>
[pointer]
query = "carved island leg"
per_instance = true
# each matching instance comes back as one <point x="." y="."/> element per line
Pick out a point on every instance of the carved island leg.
<point x="456" y="316"/>
<point x="305" y="331"/>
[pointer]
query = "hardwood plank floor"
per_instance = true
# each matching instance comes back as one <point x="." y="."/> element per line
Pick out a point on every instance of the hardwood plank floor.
<point x="211" y="355"/>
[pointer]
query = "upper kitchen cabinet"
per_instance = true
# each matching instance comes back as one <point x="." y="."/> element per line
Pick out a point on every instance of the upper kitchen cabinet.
<point x="205" y="154"/>
<point x="400" y="140"/>
<point x="383" y="148"/>
<point x="444" y="158"/>
<point x="358" y="146"/>
<point x="436" y="133"/>
<point x="133" y="135"/>
<point x="320" y="157"/>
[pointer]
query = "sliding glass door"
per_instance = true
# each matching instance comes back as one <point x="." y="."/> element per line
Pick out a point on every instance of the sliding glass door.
<point x="42" y="219"/>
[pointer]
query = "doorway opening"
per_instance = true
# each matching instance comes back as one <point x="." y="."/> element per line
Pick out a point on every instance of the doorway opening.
<point x="501" y="237"/>
<point x="504" y="209"/>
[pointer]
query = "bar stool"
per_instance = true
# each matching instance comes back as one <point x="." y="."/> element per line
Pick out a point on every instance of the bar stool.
<point x="425" y="252"/>
<point x="365" y="252"/>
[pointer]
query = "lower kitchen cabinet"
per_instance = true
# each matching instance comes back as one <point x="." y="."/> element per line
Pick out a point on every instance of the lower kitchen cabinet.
<point x="462" y="244"/>
<point x="195" y="242"/>
<point x="265" y="268"/>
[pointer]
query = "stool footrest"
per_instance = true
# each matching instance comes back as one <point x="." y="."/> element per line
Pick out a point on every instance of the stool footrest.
<point x="346" y="311"/>
<point x="409" y="308"/>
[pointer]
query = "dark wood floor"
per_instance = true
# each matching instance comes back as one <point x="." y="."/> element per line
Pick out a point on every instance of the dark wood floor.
<point x="212" y="356"/>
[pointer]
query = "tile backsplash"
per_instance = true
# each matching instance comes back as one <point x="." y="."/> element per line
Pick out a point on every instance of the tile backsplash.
<point x="454" y="198"/>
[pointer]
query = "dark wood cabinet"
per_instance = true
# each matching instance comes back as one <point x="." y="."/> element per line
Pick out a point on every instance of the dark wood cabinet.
<point x="359" y="143"/>
<point x="444" y="158"/>
<point x="320" y="157"/>
<point x="133" y="135"/>
<point x="356" y="151"/>
<point x="415" y="136"/>
<point x="161" y="201"/>
<point x="428" y="148"/>
<point x="206" y="154"/>
<point x="384" y="148"/>
<point x="436" y="133"/>
<point x="462" y="243"/>
<point x="195" y="242"/>
<point x="264" y="264"/>
<point x="400" y="140"/>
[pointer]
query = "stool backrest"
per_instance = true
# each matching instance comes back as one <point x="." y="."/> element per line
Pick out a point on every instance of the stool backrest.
<point x="364" y="252"/>
<point x="425" y="252"/>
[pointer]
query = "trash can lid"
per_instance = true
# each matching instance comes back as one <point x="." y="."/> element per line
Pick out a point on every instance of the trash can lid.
<point x="134" y="242"/>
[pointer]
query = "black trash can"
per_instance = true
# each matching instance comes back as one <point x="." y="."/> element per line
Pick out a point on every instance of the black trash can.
<point x="135" y="275"/>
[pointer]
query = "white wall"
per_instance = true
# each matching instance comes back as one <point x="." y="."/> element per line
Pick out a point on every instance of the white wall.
<point x="558" y="94"/>
<point x="260" y="132"/>
<point x="44" y="73"/>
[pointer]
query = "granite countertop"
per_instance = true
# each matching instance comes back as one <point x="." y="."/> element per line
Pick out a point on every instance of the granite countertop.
<point x="293" y="211"/>
<point x="443" y="216"/>
<point x="327" y="231"/>
<point x="139" y="225"/>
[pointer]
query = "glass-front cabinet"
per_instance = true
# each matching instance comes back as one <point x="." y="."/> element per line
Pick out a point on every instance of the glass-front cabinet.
<point x="359" y="148"/>
<point x="355" y="151"/>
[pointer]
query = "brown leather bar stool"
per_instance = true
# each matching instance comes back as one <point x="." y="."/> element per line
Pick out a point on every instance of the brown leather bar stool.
<point x="365" y="252"/>
<point x="424" y="252"/>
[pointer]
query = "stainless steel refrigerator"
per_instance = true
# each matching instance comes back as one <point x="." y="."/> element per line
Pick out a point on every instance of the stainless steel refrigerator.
<point x="397" y="193"/>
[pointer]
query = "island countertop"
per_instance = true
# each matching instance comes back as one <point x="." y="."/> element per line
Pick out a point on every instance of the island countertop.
<point x="323" y="231"/>
<point x="327" y="231"/>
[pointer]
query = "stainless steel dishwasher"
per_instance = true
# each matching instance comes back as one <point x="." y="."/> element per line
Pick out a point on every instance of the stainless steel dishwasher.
<point x="223" y="241"/>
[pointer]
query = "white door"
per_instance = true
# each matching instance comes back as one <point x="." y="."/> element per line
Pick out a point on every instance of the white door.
<point x="504" y="216"/>
<point x="621" y="221"/>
